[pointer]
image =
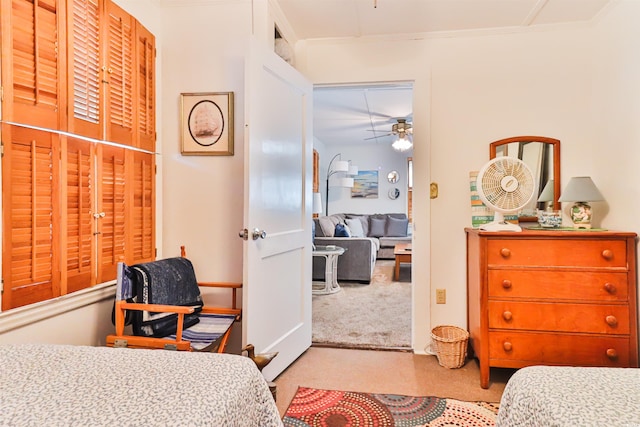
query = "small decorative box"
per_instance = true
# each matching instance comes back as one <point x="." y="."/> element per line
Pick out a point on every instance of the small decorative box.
<point x="550" y="219"/>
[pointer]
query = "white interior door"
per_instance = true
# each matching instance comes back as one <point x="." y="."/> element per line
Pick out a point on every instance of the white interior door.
<point x="278" y="174"/>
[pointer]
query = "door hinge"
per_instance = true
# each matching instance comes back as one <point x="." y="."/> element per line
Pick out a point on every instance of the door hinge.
<point x="1" y="149"/>
<point x="155" y="253"/>
<point x="1" y="93"/>
<point x="1" y="286"/>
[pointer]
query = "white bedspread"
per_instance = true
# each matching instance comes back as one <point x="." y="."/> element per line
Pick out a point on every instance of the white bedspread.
<point x="56" y="385"/>
<point x="570" y="396"/>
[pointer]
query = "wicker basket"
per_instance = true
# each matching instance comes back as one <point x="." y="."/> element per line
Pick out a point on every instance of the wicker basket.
<point x="451" y="345"/>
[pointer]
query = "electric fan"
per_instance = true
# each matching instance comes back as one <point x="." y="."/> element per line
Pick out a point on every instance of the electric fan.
<point x="506" y="185"/>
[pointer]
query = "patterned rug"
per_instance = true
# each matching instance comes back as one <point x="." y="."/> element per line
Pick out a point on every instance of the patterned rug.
<point x="319" y="408"/>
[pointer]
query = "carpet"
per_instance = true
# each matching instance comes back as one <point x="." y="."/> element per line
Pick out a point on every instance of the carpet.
<point x="370" y="316"/>
<point x="329" y="408"/>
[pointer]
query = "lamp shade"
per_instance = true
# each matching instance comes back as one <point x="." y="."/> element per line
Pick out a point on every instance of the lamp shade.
<point x="353" y="170"/>
<point x="547" y="192"/>
<point x="340" y="166"/>
<point x="581" y="189"/>
<point x="317" y="203"/>
<point x="346" y="182"/>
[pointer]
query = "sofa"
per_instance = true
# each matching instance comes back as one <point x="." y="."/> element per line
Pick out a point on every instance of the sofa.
<point x="366" y="237"/>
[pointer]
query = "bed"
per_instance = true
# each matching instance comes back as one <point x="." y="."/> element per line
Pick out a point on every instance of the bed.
<point x="99" y="386"/>
<point x="571" y="396"/>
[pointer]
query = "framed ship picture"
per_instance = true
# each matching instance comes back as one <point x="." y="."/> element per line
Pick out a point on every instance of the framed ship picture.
<point x="207" y="123"/>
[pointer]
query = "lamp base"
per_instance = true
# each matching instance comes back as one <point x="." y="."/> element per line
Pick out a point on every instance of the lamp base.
<point x="581" y="215"/>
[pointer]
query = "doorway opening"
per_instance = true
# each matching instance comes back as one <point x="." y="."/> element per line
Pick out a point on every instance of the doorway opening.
<point x="360" y="124"/>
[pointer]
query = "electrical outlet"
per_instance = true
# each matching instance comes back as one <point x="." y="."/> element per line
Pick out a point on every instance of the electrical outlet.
<point x="441" y="296"/>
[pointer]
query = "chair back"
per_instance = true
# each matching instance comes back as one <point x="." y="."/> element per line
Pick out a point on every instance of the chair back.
<point x="170" y="281"/>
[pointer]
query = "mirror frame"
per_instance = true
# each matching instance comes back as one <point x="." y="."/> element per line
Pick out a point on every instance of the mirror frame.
<point x="556" y="163"/>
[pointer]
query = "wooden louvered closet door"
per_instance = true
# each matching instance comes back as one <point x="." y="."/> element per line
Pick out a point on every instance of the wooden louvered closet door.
<point x="111" y="220"/>
<point x="31" y="62"/>
<point x="142" y="228"/>
<point x="84" y="81"/>
<point x="30" y="199"/>
<point x="146" y="53"/>
<point x="80" y="243"/>
<point x="119" y="63"/>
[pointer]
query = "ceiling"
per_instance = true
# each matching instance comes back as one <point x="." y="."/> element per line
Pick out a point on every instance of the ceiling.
<point x="348" y="115"/>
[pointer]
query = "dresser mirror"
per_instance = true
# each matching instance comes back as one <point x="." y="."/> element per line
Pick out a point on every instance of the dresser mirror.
<point x="542" y="155"/>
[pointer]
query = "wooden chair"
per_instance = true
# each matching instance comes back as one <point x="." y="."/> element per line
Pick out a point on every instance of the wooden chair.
<point x="162" y="301"/>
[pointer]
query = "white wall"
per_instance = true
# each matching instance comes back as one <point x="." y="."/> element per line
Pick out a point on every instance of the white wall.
<point x="475" y="89"/>
<point x="380" y="157"/>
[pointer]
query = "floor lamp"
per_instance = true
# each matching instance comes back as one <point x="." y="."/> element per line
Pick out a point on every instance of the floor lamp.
<point x="340" y="166"/>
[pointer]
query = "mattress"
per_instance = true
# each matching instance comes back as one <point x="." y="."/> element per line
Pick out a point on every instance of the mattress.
<point x="66" y="385"/>
<point x="571" y="396"/>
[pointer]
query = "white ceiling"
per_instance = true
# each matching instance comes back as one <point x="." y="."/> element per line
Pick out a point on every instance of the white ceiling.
<point x="348" y="115"/>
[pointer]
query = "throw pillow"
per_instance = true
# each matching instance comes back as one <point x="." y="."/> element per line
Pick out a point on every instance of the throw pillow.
<point x="396" y="227"/>
<point x="376" y="227"/>
<point x="341" y="231"/>
<point x="364" y="220"/>
<point x="355" y="225"/>
<point x="327" y="226"/>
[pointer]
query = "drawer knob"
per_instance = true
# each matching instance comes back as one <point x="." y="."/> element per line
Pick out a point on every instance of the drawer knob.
<point x="506" y="253"/>
<point x="508" y="346"/>
<point x="612" y="354"/>
<point x="610" y="288"/>
<point x="506" y="283"/>
<point x="611" y="320"/>
<point x="507" y="315"/>
<point x="607" y="254"/>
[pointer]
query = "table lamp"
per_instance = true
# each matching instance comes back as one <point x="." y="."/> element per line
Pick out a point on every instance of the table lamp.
<point x="581" y="190"/>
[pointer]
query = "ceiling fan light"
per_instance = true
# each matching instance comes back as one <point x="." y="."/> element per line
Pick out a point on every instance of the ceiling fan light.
<point x="402" y="144"/>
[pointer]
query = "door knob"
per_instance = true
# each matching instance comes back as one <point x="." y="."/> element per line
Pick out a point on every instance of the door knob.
<point x="258" y="234"/>
<point x="244" y="234"/>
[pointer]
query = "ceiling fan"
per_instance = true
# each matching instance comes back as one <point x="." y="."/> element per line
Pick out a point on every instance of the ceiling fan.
<point x="404" y="131"/>
<point x="401" y="128"/>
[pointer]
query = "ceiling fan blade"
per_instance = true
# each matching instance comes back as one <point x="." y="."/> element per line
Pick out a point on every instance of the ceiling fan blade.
<point x="379" y="136"/>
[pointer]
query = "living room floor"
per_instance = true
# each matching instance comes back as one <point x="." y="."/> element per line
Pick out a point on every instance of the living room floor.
<point x="393" y="372"/>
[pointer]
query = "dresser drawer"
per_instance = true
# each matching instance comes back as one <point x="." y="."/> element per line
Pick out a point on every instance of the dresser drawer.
<point x="591" y="253"/>
<point x="558" y="285"/>
<point x="512" y="349"/>
<point x="560" y="317"/>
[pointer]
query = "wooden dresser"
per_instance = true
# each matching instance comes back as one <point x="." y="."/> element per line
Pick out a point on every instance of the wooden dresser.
<point x="551" y="298"/>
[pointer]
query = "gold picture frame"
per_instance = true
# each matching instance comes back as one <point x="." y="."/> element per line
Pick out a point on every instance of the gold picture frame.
<point x="207" y="124"/>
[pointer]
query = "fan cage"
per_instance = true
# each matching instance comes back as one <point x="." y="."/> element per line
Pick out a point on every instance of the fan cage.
<point x="506" y="184"/>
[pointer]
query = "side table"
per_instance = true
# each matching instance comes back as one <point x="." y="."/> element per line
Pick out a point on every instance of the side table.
<point x="330" y="285"/>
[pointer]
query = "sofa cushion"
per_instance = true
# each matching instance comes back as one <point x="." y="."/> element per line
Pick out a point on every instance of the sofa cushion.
<point x="355" y="225"/>
<point x="376" y="227"/>
<point x="396" y="227"/>
<point x="341" y="231"/>
<point x="328" y="224"/>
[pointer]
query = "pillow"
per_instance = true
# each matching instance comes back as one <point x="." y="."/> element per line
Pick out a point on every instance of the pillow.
<point x="396" y="227"/>
<point x="327" y="226"/>
<point x="376" y="227"/>
<point x="355" y="225"/>
<point x="341" y="231"/>
<point x="364" y="221"/>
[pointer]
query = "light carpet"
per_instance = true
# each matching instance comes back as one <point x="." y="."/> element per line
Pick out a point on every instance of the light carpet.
<point x="330" y="408"/>
<point x="377" y="315"/>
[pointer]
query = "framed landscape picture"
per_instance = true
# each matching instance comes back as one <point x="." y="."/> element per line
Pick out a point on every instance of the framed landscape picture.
<point x="207" y="123"/>
<point x="365" y="185"/>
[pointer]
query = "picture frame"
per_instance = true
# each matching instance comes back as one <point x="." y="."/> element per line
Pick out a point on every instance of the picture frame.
<point x="365" y="185"/>
<point x="207" y="124"/>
